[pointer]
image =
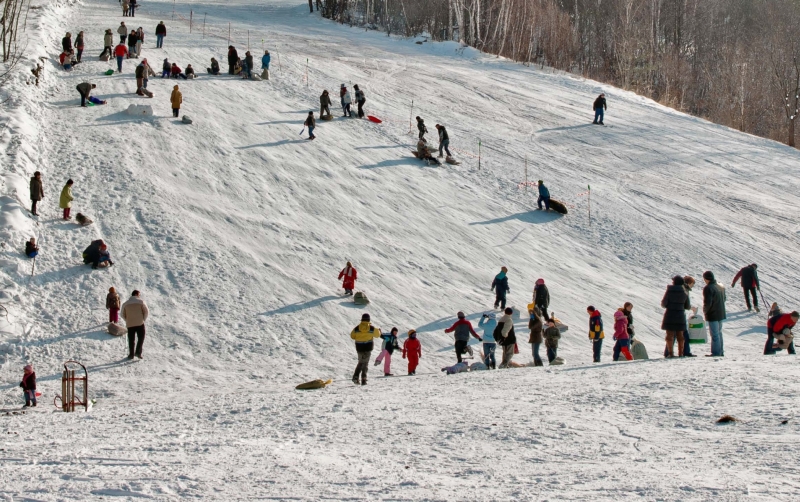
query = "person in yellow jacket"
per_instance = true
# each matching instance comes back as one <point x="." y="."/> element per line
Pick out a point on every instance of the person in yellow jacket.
<point x="596" y="333"/>
<point x="176" y="98"/>
<point x="65" y="201"/>
<point x="363" y="334"/>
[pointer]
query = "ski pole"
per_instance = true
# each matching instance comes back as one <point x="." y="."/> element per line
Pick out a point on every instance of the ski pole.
<point x="304" y="130"/>
<point x="759" y="292"/>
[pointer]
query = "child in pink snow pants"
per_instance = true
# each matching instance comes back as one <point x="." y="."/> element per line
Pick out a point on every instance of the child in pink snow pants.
<point x="389" y="346"/>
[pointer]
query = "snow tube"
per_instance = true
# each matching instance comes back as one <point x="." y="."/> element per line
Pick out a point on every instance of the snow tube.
<point x="314" y="384"/>
<point x="374" y="119"/>
<point x="558" y="206"/>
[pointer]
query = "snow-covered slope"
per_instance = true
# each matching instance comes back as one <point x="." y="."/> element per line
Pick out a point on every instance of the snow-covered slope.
<point x="235" y="227"/>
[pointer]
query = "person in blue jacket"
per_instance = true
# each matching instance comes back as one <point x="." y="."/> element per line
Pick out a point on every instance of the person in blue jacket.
<point x="544" y="196"/>
<point x="488" y="323"/>
<point x="500" y="288"/>
<point x="265" y="65"/>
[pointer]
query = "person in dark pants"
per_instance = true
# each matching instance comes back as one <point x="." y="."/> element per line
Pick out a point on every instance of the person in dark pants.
<point x="421" y="127"/>
<point x="544" y="196"/>
<point x="675" y="303"/>
<point x="161" y="32"/>
<point x="364" y="334"/>
<point x="500" y="287"/>
<point x="541" y="298"/>
<point x="688" y="284"/>
<point x="463" y="329"/>
<point x="311" y="124"/>
<point x="714" y="311"/>
<point x="37" y="191"/>
<point x="233" y="57"/>
<point x="85" y="89"/>
<point x="599" y="108"/>
<point x="551" y="336"/>
<point x="135" y="313"/>
<point x="596" y="334"/>
<point x="360" y="99"/>
<point x="775" y="326"/>
<point x="444" y="140"/>
<point x="131" y="8"/>
<point x="749" y="276"/>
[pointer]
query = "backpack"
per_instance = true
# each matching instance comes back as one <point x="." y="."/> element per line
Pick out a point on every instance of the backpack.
<point x="360" y="298"/>
<point x="638" y="350"/>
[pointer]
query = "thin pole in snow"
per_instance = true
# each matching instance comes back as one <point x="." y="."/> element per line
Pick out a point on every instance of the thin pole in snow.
<point x="590" y="204"/>
<point x="410" y="126"/>
<point x="279" y="63"/>
<point x="34" y="267"/>
<point x="479" y="155"/>
<point x="173" y="10"/>
<point x="229" y="33"/>
<point x="190" y="20"/>
<point x="204" y="25"/>
<point x="526" y="175"/>
<point x="306" y="72"/>
<point x="248" y="40"/>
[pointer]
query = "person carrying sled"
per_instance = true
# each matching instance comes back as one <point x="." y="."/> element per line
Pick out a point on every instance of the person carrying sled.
<point x="536" y="338"/>
<point x="344" y="94"/>
<point x="506" y="337"/>
<point x="31" y="249"/>
<point x="777" y="326"/>
<point x="599" y="108"/>
<point x="28" y="385"/>
<point x="66" y="198"/>
<point x="412" y="349"/>
<point x="463" y="329"/>
<point x="544" y="197"/>
<point x="360" y="100"/>
<point x="421" y="127"/>
<point x="135" y="313"/>
<point x="363" y="335"/>
<point x="500" y="287"/>
<point x="233" y="58"/>
<point x="324" y="104"/>
<point x="596" y="333"/>
<point x="265" y="59"/>
<point x="37" y="191"/>
<point x="387" y="349"/>
<point x="489" y="324"/>
<point x="444" y="140"/>
<point x="349" y="275"/>
<point x="161" y="32"/>
<point x="750" y="283"/>
<point x="113" y="305"/>
<point x="541" y="298"/>
<point x="311" y="124"/>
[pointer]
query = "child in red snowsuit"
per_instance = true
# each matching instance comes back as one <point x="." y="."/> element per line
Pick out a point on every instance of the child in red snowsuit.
<point x="621" y="336"/>
<point x="349" y="274"/>
<point x="413" y="350"/>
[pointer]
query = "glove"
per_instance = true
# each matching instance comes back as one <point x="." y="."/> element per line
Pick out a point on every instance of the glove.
<point x="480" y="339"/>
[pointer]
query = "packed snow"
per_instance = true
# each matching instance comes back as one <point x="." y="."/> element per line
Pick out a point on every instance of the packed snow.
<point x="235" y="228"/>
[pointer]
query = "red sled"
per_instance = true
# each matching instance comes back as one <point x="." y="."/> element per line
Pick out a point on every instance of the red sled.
<point x="374" y="119"/>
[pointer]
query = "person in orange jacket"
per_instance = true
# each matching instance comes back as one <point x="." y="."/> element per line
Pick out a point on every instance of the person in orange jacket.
<point x="349" y="274"/>
<point x="412" y="349"/>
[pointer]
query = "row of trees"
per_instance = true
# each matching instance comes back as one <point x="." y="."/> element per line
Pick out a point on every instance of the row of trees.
<point x="735" y="62"/>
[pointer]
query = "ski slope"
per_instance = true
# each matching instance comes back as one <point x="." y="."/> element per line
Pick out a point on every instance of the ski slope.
<point x="235" y="227"/>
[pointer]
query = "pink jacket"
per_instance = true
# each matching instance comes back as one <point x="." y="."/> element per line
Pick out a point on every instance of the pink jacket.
<point x="620" y="326"/>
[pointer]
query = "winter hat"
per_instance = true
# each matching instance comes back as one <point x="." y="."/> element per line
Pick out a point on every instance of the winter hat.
<point x="509" y="311"/>
<point x="541" y="182"/>
<point x="708" y="275"/>
<point x="365" y="317"/>
<point x="412" y="333"/>
<point x="677" y="281"/>
<point x="590" y="308"/>
<point x="394" y="330"/>
<point x="754" y="265"/>
<point x="490" y="315"/>
<point x="619" y="314"/>
<point x="795" y="314"/>
<point x="176" y="87"/>
<point x="28" y="368"/>
<point x="539" y="282"/>
<point x="112" y="290"/>
<point x="461" y="315"/>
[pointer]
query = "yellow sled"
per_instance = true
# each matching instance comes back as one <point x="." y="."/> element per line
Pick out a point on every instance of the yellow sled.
<point x="314" y="384"/>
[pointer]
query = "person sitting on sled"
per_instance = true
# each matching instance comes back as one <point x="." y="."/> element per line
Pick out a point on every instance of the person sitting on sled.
<point x="424" y="152"/>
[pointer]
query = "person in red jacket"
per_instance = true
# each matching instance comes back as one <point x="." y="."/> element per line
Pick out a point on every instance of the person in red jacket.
<point x="750" y="283"/>
<point x="412" y="350"/>
<point x="349" y="274"/>
<point x="775" y="326"/>
<point x="120" y="51"/>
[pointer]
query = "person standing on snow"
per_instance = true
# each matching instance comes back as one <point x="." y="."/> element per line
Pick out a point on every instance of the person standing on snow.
<point x="120" y="51"/>
<point x="444" y="140"/>
<point x="463" y="328"/>
<point x="176" y="99"/>
<point x="233" y="58"/>
<point x="421" y="127"/>
<point x="85" y="89"/>
<point x="166" y="69"/>
<point x="541" y="298"/>
<point x="248" y="65"/>
<point x="28" y="385"/>
<point x="123" y="32"/>
<point x="132" y="39"/>
<point x="324" y="104"/>
<point x="596" y="333"/>
<point x="364" y="334"/>
<point x="349" y="275"/>
<point x="139" y="40"/>
<point x="749" y="276"/>
<point x="132" y="8"/>
<point x="676" y="303"/>
<point x="346" y="100"/>
<point x="360" y="99"/>
<point x="143" y="71"/>
<point x="66" y="43"/>
<point x="489" y="324"/>
<point x="108" y="43"/>
<point x="500" y="287"/>
<point x="777" y="326"/>
<point x="412" y="349"/>
<point x="621" y="337"/>
<point x="265" y="59"/>
<point x="688" y="284"/>
<point x="135" y="313"/>
<point x="599" y="108"/>
<point x="551" y="336"/>
<point x="311" y="124"/>
<point x="37" y="191"/>
<point x="161" y="32"/>
<point x="65" y="200"/>
<point x="112" y="305"/>
<point x="125" y="7"/>
<point x="388" y="348"/>
<point x="79" y="45"/>
<point x="544" y="196"/>
<point x="535" y="326"/>
<point x="505" y="336"/>
<point x="714" y="311"/>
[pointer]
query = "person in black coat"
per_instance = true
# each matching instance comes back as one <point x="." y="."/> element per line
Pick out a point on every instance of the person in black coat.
<point x="421" y="127"/>
<point x="233" y="57"/>
<point x="714" y="299"/>
<point x="627" y="309"/>
<point x="676" y="303"/>
<point x="599" y="108"/>
<point x="541" y="298"/>
<point x="66" y="43"/>
<point x="248" y="64"/>
<point x="500" y="288"/>
<point x="749" y="276"/>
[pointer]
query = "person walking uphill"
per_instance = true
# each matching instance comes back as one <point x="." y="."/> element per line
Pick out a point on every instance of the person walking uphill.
<point x="349" y="274"/>
<point x="84" y="89"/>
<point x="500" y="287"/>
<point x="311" y="124"/>
<point x="714" y="311"/>
<point x="599" y="108"/>
<point x="750" y="283"/>
<point x="135" y="313"/>
<point x="65" y="200"/>
<point x="596" y="333"/>
<point x="676" y="303"/>
<point x="120" y="52"/>
<point x="325" y="104"/>
<point x="541" y="298"/>
<point x="364" y="334"/>
<point x="176" y="99"/>
<point x="444" y="140"/>
<point x="463" y="329"/>
<point x="37" y="191"/>
<point x="412" y="349"/>
<point x="544" y="196"/>
<point x="360" y="99"/>
<point x="161" y="32"/>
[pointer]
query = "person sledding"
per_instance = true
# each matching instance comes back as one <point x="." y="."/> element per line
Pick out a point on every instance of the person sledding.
<point x="348" y="275"/>
<point x="425" y="152"/>
<point x="97" y="253"/>
<point x="31" y="249"/>
<point x="463" y="329"/>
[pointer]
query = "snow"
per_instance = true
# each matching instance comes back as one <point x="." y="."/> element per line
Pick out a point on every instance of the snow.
<point x="235" y="227"/>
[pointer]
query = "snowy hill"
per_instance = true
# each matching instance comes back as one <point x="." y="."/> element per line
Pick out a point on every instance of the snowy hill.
<point x="235" y="227"/>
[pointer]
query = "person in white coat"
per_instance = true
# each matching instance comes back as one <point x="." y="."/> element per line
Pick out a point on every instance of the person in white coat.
<point x="346" y="101"/>
<point x="135" y="313"/>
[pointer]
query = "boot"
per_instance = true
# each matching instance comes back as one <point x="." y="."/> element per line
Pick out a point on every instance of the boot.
<point x="363" y="381"/>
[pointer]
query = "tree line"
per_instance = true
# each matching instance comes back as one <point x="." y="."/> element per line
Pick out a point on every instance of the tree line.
<point x="734" y="62"/>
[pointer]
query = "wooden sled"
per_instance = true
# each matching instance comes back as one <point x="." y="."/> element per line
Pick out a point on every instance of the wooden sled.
<point x="314" y="384"/>
<point x="326" y="117"/>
